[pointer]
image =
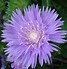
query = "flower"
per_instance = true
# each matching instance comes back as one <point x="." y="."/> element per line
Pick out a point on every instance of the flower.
<point x="31" y="36"/>
<point x="2" y="64"/>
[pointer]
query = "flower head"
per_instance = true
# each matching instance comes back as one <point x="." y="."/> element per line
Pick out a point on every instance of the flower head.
<point x="28" y="36"/>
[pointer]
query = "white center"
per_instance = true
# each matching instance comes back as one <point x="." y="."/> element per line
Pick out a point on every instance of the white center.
<point x="33" y="35"/>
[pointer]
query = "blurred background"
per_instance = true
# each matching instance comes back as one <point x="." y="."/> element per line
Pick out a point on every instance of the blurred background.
<point x="6" y="9"/>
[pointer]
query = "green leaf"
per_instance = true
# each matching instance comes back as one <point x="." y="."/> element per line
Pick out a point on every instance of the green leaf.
<point x="61" y="7"/>
<point x="2" y="5"/>
<point x="12" y="5"/>
<point x="64" y="50"/>
<point x="46" y="3"/>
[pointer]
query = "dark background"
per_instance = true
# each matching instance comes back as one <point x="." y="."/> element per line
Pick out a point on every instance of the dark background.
<point x="6" y="8"/>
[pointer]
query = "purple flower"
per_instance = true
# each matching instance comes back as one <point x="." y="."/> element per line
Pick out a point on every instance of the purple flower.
<point x="31" y="36"/>
<point x="2" y="63"/>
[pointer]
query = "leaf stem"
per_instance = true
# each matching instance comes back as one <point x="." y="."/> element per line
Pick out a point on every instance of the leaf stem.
<point x="61" y="60"/>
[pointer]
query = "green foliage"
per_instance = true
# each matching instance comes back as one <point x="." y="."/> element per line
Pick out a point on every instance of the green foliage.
<point x="2" y="5"/>
<point x="63" y="66"/>
<point x="46" y="3"/>
<point x="61" y="7"/>
<point x="14" y="4"/>
<point x="64" y="50"/>
<point x="43" y="67"/>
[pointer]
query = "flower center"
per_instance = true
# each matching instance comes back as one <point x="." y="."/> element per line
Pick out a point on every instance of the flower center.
<point x="34" y="36"/>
